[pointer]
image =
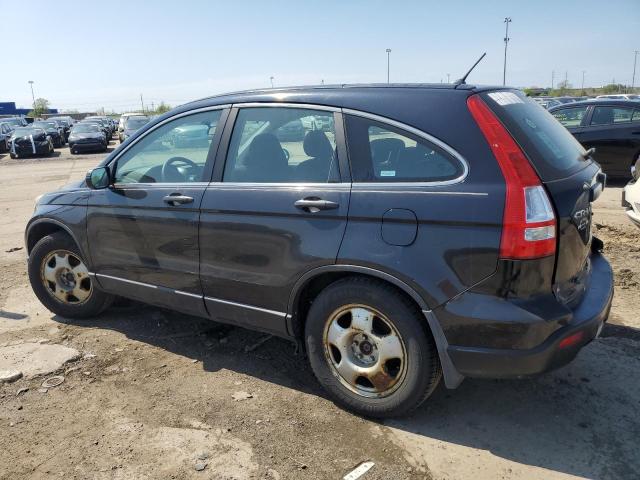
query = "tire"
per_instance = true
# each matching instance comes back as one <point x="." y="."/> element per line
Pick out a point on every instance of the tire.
<point x="44" y="263"/>
<point x="416" y="376"/>
<point x="13" y="155"/>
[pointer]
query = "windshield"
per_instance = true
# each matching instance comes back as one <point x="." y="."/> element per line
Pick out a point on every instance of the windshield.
<point x="554" y="152"/>
<point x="133" y="123"/>
<point x="85" y="128"/>
<point x="45" y="124"/>
<point x="96" y="120"/>
<point x="13" y="121"/>
<point x="23" y="131"/>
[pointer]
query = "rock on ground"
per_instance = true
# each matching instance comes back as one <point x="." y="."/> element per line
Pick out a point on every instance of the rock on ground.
<point x="33" y="359"/>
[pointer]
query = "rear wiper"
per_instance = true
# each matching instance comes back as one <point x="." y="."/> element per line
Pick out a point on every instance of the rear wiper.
<point x="589" y="153"/>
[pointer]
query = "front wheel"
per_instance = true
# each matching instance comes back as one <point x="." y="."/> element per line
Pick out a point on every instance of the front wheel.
<point x="370" y="348"/>
<point x="61" y="280"/>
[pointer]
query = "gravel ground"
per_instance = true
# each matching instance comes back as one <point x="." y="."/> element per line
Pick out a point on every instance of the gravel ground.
<point x="157" y="394"/>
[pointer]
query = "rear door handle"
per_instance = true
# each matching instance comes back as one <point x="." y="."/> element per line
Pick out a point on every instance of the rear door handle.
<point x="314" y="204"/>
<point x="177" y="199"/>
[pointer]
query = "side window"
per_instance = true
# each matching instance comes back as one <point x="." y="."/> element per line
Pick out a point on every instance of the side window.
<point x="570" y="117"/>
<point x="381" y="153"/>
<point x="176" y="152"/>
<point x="282" y="145"/>
<point x="607" y="115"/>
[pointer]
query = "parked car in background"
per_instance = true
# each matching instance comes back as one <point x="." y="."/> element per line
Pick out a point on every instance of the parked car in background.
<point x="109" y="129"/>
<point x="53" y="129"/>
<point x="96" y="121"/>
<point x="131" y="125"/>
<point x="191" y="136"/>
<point x="452" y="246"/>
<point x="564" y="100"/>
<point x="631" y="195"/>
<point x="612" y="127"/>
<point x="64" y="123"/>
<point x="15" y="122"/>
<point x="27" y="141"/>
<point x="5" y="135"/>
<point x="620" y="96"/>
<point x="124" y="116"/>
<point x="86" y="137"/>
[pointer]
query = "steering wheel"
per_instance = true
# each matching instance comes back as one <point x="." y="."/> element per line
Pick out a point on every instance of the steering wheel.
<point x="170" y="172"/>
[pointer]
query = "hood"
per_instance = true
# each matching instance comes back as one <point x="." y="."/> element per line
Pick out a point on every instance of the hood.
<point x="64" y="195"/>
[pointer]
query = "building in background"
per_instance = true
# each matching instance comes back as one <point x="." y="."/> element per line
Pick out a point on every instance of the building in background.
<point x="9" y="108"/>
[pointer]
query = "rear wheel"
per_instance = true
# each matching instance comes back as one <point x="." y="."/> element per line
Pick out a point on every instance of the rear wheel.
<point x="61" y="280"/>
<point x="369" y="348"/>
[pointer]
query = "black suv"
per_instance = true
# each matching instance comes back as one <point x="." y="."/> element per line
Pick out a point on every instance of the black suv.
<point x="423" y="231"/>
<point x="610" y="126"/>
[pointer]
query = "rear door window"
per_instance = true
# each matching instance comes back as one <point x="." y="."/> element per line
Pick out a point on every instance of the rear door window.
<point x="383" y="153"/>
<point x="570" y="117"/>
<point x="282" y="145"/>
<point x="553" y="151"/>
<point x="611" y="115"/>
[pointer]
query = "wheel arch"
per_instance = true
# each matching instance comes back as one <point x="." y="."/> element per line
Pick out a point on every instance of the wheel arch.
<point x="314" y="281"/>
<point x="40" y="228"/>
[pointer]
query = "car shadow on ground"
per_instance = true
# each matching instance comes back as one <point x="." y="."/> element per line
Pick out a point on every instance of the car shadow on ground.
<point x="551" y="421"/>
<point x="216" y="345"/>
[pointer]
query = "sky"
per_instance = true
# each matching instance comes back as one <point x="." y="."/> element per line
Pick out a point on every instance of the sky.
<point x="86" y="55"/>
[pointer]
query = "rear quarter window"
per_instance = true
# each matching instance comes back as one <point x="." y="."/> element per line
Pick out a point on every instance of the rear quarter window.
<point x="552" y="150"/>
<point x="383" y="153"/>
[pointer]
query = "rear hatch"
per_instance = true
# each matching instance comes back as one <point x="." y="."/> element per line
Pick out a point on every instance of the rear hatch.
<point x="571" y="177"/>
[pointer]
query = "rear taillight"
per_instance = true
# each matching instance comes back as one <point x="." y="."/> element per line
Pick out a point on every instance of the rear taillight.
<point x="529" y="223"/>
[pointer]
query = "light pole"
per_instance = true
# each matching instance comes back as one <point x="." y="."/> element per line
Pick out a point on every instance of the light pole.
<point x="582" y="88"/>
<point x="633" y="78"/>
<point x="448" y="78"/>
<point x="507" y="21"/>
<point x="388" y="60"/>
<point x="33" y="97"/>
<point x="553" y="77"/>
<point x="271" y="80"/>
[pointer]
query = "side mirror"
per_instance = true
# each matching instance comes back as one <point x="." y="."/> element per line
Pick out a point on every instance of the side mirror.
<point x="98" y="178"/>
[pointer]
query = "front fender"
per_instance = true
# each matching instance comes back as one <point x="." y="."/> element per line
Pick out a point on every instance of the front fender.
<point x="68" y="218"/>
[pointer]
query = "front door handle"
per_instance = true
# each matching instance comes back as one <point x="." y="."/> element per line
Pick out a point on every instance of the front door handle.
<point x="314" y="204"/>
<point x="177" y="199"/>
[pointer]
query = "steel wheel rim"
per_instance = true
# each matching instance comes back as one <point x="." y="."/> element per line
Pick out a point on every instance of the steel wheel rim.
<point x="365" y="351"/>
<point x="66" y="278"/>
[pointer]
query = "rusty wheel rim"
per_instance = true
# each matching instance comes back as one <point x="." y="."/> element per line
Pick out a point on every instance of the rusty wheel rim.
<point x="365" y="351"/>
<point x="66" y="277"/>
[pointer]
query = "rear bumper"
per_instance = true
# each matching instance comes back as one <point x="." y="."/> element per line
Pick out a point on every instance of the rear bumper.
<point x="586" y="321"/>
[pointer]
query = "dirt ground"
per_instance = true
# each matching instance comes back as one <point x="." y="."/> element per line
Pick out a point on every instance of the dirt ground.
<point x="159" y="395"/>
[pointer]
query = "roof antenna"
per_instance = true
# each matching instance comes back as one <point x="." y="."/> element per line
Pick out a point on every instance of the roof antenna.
<point x="462" y="81"/>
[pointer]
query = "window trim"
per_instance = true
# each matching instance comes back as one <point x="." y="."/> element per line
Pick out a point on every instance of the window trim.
<point x="418" y="133"/>
<point x="113" y="162"/>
